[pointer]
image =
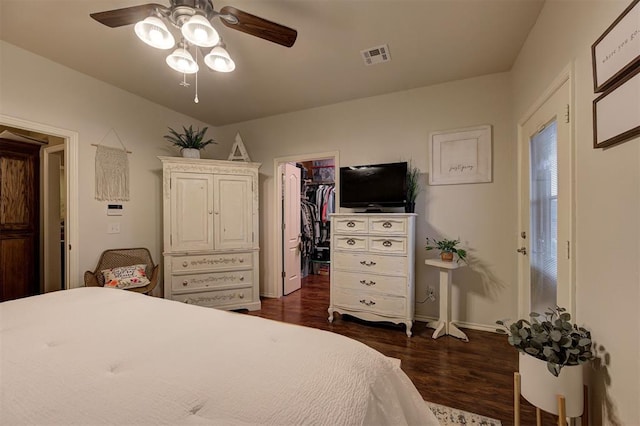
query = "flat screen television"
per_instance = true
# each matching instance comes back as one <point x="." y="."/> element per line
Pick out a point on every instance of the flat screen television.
<point x="373" y="186"/>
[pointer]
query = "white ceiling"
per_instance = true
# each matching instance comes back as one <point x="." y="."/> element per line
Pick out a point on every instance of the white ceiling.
<point x="430" y="42"/>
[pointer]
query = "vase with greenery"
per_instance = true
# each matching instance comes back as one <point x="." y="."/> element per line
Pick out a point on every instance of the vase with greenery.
<point x="190" y="141"/>
<point x="552" y="338"/>
<point x="447" y="249"/>
<point x="413" y="188"/>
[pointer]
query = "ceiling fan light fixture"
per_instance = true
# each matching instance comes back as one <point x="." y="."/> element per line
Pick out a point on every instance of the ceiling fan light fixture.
<point x="199" y="31"/>
<point x="219" y="60"/>
<point x="182" y="61"/>
<point x="154" y="32"/>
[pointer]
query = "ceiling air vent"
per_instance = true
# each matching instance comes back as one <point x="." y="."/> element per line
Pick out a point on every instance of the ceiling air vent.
<point x="376" y="55"/>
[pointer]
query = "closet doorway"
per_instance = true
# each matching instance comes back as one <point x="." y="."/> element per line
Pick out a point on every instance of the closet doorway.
<point x="305" y="188"/>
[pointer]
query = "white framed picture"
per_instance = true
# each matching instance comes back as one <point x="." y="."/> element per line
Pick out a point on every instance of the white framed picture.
<point x="460" y="156"/>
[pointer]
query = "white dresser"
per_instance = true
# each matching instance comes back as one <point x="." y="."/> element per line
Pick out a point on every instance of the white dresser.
<point x="372" y="267"/>
<point x="211" y="232"/>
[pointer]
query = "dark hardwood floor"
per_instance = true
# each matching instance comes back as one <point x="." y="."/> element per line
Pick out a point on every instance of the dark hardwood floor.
<point x="476" y="376"/>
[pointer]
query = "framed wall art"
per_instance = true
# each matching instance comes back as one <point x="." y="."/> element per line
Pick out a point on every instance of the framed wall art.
<point x="617" y="50"/>
<point x="616" y="113"/>
<point x="460" y="156"/>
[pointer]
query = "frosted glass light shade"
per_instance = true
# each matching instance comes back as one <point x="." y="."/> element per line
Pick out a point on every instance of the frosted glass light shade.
<point x="155" y="33"/>
<point x="199" y="31"/>
<point x="219" y="60"/>
<point x="182" y="61"/>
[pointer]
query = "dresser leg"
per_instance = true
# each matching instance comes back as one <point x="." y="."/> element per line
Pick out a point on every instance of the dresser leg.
<point x="330" y="314"/>
<point x="409" y="324"/>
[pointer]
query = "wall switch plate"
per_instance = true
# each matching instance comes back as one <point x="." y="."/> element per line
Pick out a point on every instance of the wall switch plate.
<point x="113" y="228"/>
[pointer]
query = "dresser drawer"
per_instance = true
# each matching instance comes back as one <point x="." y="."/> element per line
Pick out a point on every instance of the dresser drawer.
<point x="211" y="280"/>
<point x="371" y="263"/>
<point x="370" y="302"/>
<point x="389" y="245"/>
<point x="214" y="299"/>
<point x="363" y="282"/>
<point x="388" y="225"/>
<point x="211" y="262"/>
<point x="350" y="242"/>
<point x="351" y="224"/>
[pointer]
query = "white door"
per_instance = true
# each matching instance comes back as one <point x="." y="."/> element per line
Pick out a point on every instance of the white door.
<point x="54" y="217"/>
<point x="291" y="227"/>
<point x="191" y="212"/>
<point x="233" y="211"/>
<point x="545" y="265"/>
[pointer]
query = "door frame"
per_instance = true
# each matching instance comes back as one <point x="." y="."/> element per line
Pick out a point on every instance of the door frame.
<point x="45" y="154"/>
<point x="70" y="138"/>
<point x="277" y="225"/>
<point x="567" y="75"/>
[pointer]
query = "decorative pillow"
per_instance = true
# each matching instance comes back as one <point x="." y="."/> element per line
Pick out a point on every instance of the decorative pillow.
<point x="126" y="277"/>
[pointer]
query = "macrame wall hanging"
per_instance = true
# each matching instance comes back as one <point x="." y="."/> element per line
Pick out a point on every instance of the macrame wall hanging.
<point x="112" y="171"/>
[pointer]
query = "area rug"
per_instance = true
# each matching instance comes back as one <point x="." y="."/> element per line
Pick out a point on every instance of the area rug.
<point x="452" y="416"/>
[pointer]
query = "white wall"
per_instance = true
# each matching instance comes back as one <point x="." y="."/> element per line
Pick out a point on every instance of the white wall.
<point x="607" y="205"/>
<point x="396" y="127"/>
<point x="35" y="89"/>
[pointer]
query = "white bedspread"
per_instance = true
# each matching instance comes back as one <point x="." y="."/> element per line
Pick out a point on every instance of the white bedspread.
<point x="105" y="356"/>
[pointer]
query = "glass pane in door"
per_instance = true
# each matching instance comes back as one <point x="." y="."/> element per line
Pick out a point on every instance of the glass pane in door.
<point x="544" y="218"/>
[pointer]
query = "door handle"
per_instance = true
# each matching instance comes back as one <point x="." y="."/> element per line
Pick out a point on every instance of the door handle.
<point x="522" y="250"/>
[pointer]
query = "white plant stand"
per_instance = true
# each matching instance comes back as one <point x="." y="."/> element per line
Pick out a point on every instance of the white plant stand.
<point x="444" y="326"/>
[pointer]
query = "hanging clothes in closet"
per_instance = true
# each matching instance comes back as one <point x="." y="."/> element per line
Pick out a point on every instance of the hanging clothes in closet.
<point x="317" y="203"/>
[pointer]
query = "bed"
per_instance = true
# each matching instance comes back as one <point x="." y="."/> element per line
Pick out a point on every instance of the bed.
<point x="107" y="356"/>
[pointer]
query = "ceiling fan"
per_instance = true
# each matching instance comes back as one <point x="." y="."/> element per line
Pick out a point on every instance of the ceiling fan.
<point x="182" y="11"/>
<point x="193" y="19"/>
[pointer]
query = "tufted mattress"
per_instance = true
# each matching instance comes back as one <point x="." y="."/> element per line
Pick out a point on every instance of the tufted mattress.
<point x="93" y="356"/>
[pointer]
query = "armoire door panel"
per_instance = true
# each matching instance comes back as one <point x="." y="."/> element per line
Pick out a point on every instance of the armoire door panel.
<point x="19" y="216"/>
<point x="233" y="212"/>
<point x="192" y="218"/>
<point x="16" y="212"/>
<point x="16" y="267"/>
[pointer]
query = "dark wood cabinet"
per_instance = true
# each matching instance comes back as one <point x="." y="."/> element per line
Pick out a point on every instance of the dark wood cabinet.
<point x="19" y="219"/>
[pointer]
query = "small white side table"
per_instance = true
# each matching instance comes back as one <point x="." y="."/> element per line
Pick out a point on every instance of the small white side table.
<point x="444" y="326"/>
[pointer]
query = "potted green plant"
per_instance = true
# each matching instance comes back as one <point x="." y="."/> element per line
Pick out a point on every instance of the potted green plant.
<point x="190" y="142"/>
<point x="550" y="344"/>
<point x="447" y="249"/>
<point x="413" y="188"/>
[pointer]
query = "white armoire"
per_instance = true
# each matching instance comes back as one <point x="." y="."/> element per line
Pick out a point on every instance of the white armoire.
<point x="211" y="232"/>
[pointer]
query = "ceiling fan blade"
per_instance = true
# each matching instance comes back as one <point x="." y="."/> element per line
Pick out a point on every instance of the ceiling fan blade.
<point x="259" y="27"/>
<point x="125" y="16"/>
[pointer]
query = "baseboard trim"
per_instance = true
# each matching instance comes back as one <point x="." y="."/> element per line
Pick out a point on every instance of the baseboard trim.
<point x="461" y="324"/>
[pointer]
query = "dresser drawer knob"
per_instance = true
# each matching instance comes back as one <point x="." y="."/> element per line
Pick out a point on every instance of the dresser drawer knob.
<point x="351" y="241"/>
<point x="241" y="260"/>
<point x="365" y="263"/>
<point x="185" y="283"/>
<point x="241" y="295"/>
<point x="387" y="243"/>
<point x="387" y="225"/>
<point x="242" y="278"/>
<point x="351" y="224"/>
<point x="367" y="302"/>
<point x="370" y="283"/>
<point x="185" y="264"/>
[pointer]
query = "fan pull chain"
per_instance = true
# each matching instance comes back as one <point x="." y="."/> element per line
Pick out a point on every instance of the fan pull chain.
<point x="196" y="98"/>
